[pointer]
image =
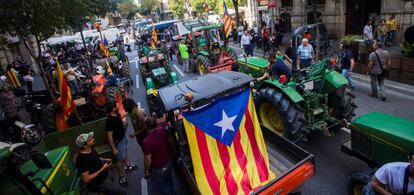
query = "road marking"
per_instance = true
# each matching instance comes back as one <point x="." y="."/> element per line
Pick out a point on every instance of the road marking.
<point x="144" y="187"/>
<point x="137" y="80"/>
<point x="346" y="130"/>
<point x="136" y="63"/>
<point x="179" y="71"/>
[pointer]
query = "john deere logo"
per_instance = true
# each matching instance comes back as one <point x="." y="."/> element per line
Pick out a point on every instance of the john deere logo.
<point x="65" y="169"/>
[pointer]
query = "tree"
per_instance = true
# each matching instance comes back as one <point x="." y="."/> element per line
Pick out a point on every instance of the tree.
<point x="177" y="7"/>
<point x="148" y="6"/>
<point x="127" y="10"/>
<point x="236" y="4"/>
<point x="200" y="5"/>
<point x="38" y="20"/>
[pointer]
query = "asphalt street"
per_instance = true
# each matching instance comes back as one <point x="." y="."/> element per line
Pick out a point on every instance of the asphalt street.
<point x="332" y="166"/>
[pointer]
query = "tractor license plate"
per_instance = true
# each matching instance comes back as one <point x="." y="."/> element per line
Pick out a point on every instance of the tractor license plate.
<point x="80" y="102"/>
<point x="309" y="86"/>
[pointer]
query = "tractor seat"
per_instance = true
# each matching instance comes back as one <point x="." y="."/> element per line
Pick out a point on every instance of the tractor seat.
<point x="215" y="47"/>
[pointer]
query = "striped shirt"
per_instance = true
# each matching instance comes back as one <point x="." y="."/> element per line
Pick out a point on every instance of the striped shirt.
<point x="305" y="53"/>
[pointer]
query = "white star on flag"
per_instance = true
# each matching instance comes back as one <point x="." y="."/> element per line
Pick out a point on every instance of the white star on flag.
<point x="226" y="123"/>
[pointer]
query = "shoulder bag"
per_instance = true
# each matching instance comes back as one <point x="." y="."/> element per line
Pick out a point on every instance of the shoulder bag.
<point x="384" y="72"/>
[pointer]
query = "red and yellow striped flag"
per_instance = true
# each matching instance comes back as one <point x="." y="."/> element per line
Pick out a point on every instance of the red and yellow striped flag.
<point x="12" y="78"/>
<point x="227" y="147"/>
<point x="227" y="20"/>
<point x="154" y="36"/>
<point x="68" y="106"/>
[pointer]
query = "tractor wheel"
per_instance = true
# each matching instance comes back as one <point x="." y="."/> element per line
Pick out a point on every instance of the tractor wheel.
<point x="279" y="114"/>
<point x="356" y="182"/>
<point x="203" y="63"/>
<point x="111" y="94"/>
<point x="49" y="119"/>
<point x="342" y="104"/>
<point x="233" y="54"/>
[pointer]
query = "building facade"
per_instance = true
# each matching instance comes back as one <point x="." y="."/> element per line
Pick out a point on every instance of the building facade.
<point x="340" y="16"/>
<point x="13" y="48"/>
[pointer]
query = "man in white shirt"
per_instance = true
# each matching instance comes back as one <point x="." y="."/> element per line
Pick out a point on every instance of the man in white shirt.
<point x="368" y="33"/>
<point x="393" y="178"/>
<point x="70" y="76"/>
<point x="240" y="31"/>
<point x="245" y="42"/>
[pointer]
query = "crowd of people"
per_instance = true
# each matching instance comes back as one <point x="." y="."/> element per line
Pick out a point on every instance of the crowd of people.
<point x="152" y="135"/>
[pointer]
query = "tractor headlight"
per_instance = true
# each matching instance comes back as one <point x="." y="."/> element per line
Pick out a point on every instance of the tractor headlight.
<point x="309" y="86"/>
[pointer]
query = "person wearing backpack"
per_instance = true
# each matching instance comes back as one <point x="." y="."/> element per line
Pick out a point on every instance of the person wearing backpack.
<point x="378" y="63"/>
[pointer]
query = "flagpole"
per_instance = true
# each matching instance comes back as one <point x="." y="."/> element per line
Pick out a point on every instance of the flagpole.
<point x="77" y="115"/>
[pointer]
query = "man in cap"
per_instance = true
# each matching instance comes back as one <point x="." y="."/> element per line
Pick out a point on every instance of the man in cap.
<point x="93" y="169"/>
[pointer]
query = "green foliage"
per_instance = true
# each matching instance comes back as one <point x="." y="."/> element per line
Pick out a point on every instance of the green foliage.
<point x="41" y="18"/>
<point x="148" y="6"/>
<point x="407" y="49"/>
<point x="198" y="5"/>
<point x="177" y="7"/>
<point x="127" y="9"/>
<point x="348" y="39"/>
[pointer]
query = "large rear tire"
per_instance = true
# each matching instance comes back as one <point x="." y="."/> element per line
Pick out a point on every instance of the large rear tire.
<point x="203" y="63"/>
<point x="356" y="182"/>
<point x="111" y="94"/>
<point x="49" y="119"/>
<point x="280" y="115"/>
<point x="342" y="103"/>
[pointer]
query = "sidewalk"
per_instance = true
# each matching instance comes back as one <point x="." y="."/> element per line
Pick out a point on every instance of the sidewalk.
<point x="389" y="85"/>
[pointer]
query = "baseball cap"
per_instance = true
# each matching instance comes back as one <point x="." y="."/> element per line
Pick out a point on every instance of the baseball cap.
<point x="83" y="138"/>
<point x="279" y="56"/>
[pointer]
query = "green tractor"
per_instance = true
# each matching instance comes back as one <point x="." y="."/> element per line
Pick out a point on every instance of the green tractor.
<point x="316" y="102"/>
<point x="155" y="73"/>
<point x="377" y="139"/>
<point x="207" y="52"/>
<point x="27" y="171"/>
<point x="315" y="99"/>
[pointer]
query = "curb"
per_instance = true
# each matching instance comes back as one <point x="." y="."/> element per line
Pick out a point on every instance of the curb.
<point x="390" y="85"/>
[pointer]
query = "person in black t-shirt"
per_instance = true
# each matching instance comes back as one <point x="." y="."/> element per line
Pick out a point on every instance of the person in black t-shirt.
<point x="118" y="141"/>
<point x="93" y="169"/>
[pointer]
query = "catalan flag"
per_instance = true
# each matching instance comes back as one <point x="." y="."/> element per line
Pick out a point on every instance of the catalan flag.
<point x="154" y="36"/>
<point x="227" y="20"/>
<point x="12" y="78"/>
<point x="68" y="106"/>
<point x="227" y="146"/>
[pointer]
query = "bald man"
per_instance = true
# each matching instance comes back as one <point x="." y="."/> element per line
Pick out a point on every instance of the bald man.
<point x="306" y="54"/>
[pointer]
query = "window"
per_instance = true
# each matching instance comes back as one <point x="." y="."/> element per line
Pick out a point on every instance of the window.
<point x="287" y="3"/>
<point x="317" y="2"/>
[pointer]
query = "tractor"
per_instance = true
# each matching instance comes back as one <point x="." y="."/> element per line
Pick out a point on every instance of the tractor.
<point x="208" y="54"/>
<point x="89" y="105"/>
<point x="377" y="139"/>
<point x="319" y="101"/>
<point x="27" y="171"/>
<point x="155" y="73"/>
<point x="316" y="98"/>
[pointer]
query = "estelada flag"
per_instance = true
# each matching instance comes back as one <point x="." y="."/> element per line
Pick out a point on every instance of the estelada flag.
<point x="227" y="20"/>
<point x="154" y="36"/>
<point x="68" y="106"/>
<point x="227" y="146"/>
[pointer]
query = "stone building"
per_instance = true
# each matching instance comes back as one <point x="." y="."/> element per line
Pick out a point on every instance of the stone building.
<point x="14" y="48"/>
<point x="341" y="16"/>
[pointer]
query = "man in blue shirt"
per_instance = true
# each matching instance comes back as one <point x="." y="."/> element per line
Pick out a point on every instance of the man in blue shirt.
<point x="347" y="64"/>
<point x="305" y="54"/>
<point x="279" y="66"/>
